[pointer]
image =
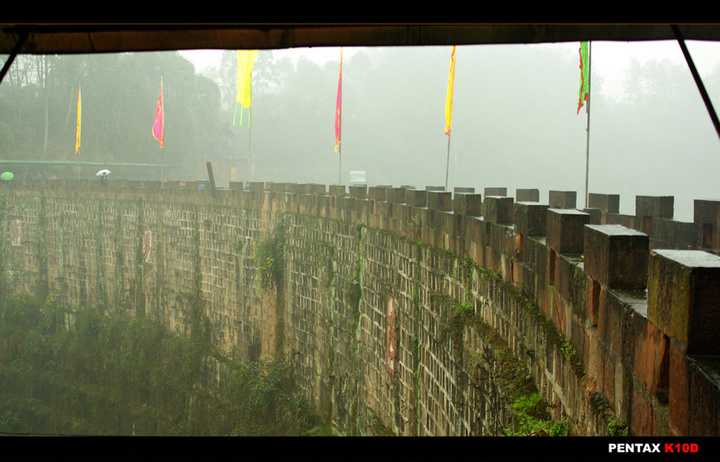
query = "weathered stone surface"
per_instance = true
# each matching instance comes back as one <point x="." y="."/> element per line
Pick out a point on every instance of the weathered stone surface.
<point x="565" y="233"/>
<point x="654" y="206"/>
<point x="439" y="200"/>
<point x="358" y="191"/>
<point x="684" y="298"/>
<point x="607" y="203"/>
<point x="498" y="209"/>
<point x="336" y="190"/>
<point x="527" y="195"/>
<point x="706" y="211"/>
<point x="377" y="193"/>
<point x="562" y="199"/>
<point x="616" y="257"/>
<point x="463" y="190"/>
<point x="530" y="218"/>
<point x="468" y="204"/>
<point x="256" y="186"/>
<point x="495" y="191"/>
<point x="671" y="234"/>
<point x="417" y="198"/>
<point x="407" y="291"/>
<point x="595" y="215"/>
<point x="397" y="195"/>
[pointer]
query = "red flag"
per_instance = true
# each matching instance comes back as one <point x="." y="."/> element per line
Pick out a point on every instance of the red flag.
<point x="158" y="129"/>
<point x="338" y="106"/>
<point x="79" y="119"/>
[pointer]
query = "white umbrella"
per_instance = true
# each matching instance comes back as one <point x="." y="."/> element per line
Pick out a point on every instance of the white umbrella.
<point x="103" y="172"/>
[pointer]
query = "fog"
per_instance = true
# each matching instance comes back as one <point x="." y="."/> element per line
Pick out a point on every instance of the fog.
<point x="514" y="118"/>
<point x="515" y="121"/>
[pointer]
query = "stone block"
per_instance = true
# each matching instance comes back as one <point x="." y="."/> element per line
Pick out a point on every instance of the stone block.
<point x="671" y="234"/>
<point x="565" y="230"/>
<point x="463" y="190"/>
<point x="527" y="195"/>
<point x="684" y="298"/>
<point x="417" y="198"/>
<point x="654" y="206"/>
<point x="435" y="188"/>
<point x="530" y="218"/>
<point x="566" y="271"/>
<point x="706" y="211"/>
<point x="616" y="257"/>
<point x="607" y="203"/>
<point x="468" y="204"/>
<point x="704" y="400"/>
<point x="256" y="186"/>
<point x="595" y="215"/>
<point x="323" y="205"/>
<point x="358" y="191"/>
<point x="377" y="193"/>
<point x="235" y="185"/>
<point x="397" y="195"/>
<point x="337" y="190"/>
<point x="498" y="209"/>
<point x="312" y="188"/>
<point x="439" y="200"/>
<point x="627" y="221"/>
<point x="499" y="192"/>
<point x="562" y="199"/>
<point x="641" y="415"/>
<point x="679" y="393"/>
<point x="707" y="214"/>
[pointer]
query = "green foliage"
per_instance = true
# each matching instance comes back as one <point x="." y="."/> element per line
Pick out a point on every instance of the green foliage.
<point x="533" y="419"/>
<point x="270" y="260"/>
<point x="616" y="428"/>
<point x="109" y="375"/>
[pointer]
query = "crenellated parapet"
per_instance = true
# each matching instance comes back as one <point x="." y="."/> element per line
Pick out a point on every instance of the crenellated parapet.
<point x="621" y="312"/>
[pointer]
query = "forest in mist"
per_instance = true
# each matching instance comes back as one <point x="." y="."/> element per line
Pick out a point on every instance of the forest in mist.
<point x="514" y="119"/>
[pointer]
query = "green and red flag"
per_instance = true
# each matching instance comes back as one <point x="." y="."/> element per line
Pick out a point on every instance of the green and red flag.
<point x="158" y="128"/>
<point x="449" y="97"/>
<point x="245" y="62"/>
<point x="338" y="107"/>
<point x="584" y="76"/>
<point x="79" y="120"/>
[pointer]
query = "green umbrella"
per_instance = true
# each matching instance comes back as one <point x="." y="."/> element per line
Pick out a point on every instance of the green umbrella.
<point x="7" y="176"/>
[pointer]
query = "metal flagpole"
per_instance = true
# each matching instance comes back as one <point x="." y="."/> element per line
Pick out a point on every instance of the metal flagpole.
<point x="250" y="144"/>
<point x="340" y="164"/>
<point x="447" y="164"/>
<point x="587" y="108"/>
<point x="162" y="146"/>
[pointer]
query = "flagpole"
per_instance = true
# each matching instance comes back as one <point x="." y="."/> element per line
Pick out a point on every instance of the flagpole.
<point x="448" y="109"/>
<point x="162" y="147"/>
<point x="338" y="121"/>
<point x="340" y="164"/>
<point x="587" y="109"/>
<point x="250" y="144"/>
<point x="447" y="164"/>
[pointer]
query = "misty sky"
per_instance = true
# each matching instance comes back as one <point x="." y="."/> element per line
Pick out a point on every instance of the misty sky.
<point x="541" y="142"/>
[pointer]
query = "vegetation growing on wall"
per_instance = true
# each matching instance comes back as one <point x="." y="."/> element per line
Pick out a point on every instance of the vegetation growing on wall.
<point x="268" y="254"/>
<point x="113" y="375"/>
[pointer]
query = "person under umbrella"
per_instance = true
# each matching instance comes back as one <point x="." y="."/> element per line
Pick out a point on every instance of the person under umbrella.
<point x="103" y="176"/>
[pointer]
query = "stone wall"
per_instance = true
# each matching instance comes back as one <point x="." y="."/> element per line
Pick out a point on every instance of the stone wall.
<point x="614" y="317"/>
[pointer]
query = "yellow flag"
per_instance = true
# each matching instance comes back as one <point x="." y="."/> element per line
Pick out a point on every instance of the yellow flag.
<point x="449" y="98"/>
<point x="246" y="61"/>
